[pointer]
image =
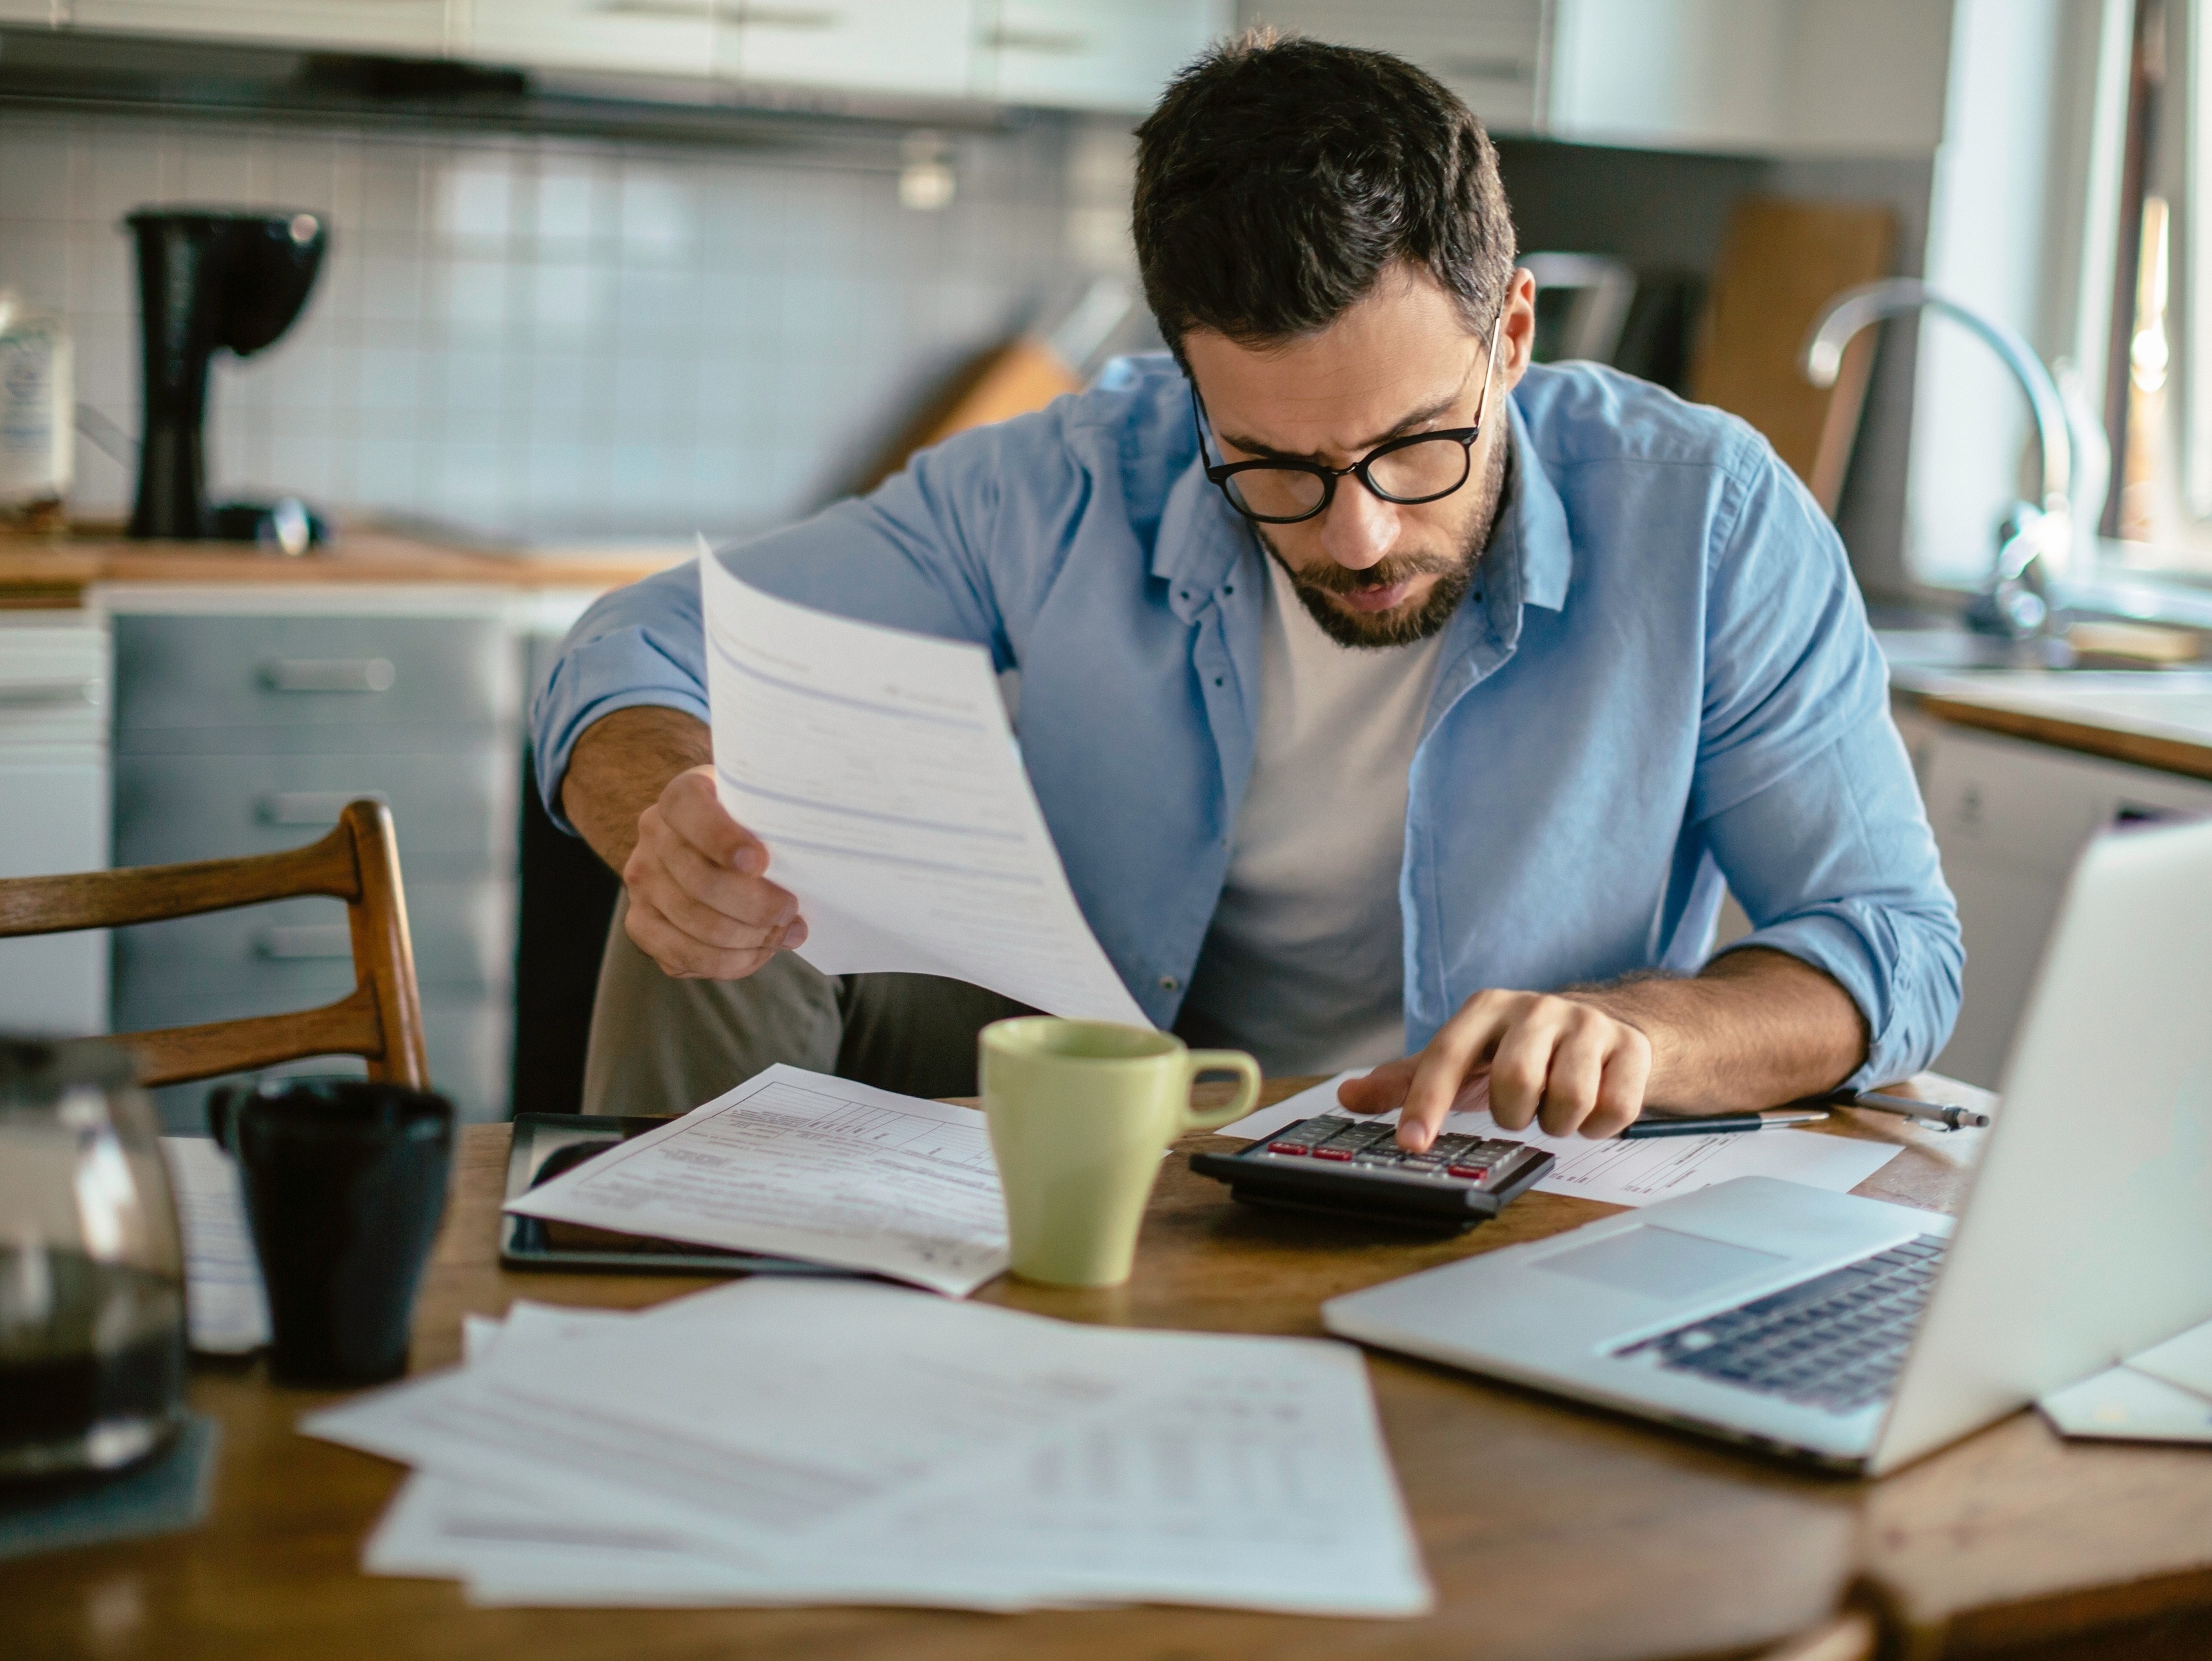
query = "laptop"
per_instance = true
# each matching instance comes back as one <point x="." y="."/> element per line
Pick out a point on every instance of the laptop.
<point x="1862" y="1335"/>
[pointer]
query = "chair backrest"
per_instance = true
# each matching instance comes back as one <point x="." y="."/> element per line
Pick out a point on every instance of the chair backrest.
<point x="381" y="1021"/>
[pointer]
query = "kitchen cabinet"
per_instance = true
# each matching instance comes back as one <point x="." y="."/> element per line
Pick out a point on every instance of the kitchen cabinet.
<point x="246" y="731"/>
<point x="404" y="27"/>
<point x="2010" y="817"/>
<point x="1089" y="54"/>
<point x="54" y="682"/>
<point x="667" y="37"/>
<point x="1859" y="77"/>
<point x="921" y="47"/>
<point x="1490" y="52"/>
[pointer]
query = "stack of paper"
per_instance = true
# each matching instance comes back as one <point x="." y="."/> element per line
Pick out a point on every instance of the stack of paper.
<point x="802" y="1165"/>
<point x="786" y="1441"/>
<point x="1634" y="1173"/>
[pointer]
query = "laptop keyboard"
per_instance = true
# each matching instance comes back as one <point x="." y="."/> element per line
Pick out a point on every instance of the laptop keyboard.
<point x="1836" y="1342"/>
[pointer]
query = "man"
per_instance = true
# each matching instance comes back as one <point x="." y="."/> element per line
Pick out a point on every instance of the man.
<point x="1376" y="685"/>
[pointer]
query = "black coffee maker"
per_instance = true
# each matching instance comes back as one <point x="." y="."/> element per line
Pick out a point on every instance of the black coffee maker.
<point x="210" y="277"/>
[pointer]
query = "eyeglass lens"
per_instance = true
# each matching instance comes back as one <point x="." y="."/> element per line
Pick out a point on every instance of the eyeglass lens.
<point x="1411" y="473"/>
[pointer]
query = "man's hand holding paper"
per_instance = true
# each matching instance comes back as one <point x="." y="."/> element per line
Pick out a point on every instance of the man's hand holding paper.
<point x="699" y="905"/>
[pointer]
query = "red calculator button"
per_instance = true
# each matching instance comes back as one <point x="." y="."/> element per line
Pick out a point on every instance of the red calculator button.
<point x="1288" y="1148"/>
<point x="1331" y="1153"/>
<point x="1471" y="1173"/>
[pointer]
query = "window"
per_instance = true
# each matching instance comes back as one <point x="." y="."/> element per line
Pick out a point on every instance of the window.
<point x="2158" y="391"/>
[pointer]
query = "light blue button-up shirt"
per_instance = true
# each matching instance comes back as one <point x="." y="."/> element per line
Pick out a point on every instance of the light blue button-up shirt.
<point x="1662" y="681"/>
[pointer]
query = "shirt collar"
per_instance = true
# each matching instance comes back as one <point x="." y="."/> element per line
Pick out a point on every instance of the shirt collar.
<point x="1534" y="538"/>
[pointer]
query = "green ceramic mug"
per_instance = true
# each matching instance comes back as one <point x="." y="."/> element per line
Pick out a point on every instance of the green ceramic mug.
<point x="1080" y="1113"/>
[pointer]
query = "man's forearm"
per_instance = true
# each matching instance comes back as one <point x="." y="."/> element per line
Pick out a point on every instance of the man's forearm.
<point x="1755" y="1028"/>
<point x="618" y="768"/>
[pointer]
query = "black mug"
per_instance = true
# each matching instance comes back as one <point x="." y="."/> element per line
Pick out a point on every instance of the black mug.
<point x="344" y="1184"/>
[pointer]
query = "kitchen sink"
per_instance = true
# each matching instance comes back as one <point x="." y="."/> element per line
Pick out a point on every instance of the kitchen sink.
<point x="1950" y="650"/>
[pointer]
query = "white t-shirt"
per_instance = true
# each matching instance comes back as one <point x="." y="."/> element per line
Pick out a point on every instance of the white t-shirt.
<point x="1303" y="963"/>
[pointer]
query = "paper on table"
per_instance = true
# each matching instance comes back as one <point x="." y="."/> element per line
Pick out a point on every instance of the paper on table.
<point x="878" y="768"/>
<point x="803" y="1165"/>
<point x="1251" y="1473"/>
<point x="1173" y="1467"/>
<point x="2162" y="1395"/>
<point x="226" y="1311"/>
<point x="1627" y="1172"/>
<point x="849" y="1391"/>
<point x="530" y="1548"/>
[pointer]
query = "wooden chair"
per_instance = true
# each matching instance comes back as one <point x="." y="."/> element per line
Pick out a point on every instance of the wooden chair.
<point x="381" y="1021"/>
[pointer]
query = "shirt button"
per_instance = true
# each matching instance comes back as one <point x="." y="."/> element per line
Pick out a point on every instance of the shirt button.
<point x="1169" y="983"/>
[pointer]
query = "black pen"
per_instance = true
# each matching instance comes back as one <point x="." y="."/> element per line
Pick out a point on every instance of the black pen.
<point x="1705" y="1125"/>
<point x="1928" y="1112"/>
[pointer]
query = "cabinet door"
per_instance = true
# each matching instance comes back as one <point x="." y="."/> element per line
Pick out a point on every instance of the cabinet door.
<point x="412" y="27"/>
<point x="235" y="680"/>
<point x="668" y="37"/>
<point x="1090" y="54"/>
<point x="1488" y="51"/>
<point x="54" y="806"/>
<point x="454" y="814"/>
<point x="920" y="46"/>
<point x="2010" y="817"/>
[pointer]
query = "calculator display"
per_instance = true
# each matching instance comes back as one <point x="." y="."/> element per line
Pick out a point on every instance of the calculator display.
<point x="1354" y="1166"/>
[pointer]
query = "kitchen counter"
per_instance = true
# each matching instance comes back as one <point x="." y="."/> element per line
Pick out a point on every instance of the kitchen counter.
<point x="57" y="571"/>
<point x="2150" y="718"/>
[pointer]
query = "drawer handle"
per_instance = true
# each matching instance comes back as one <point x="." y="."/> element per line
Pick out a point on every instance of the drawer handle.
<point x="309" y="807"/>
<point x="752" y="17"/>
<point x="288" y="942"/>
<point x="1057" y="42"/>
<point x="328" y="675"/>
<point x="44" y="694"/>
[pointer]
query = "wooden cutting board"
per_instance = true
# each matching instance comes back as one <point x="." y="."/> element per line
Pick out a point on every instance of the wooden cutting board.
<point x="1011" y="380"/>
<point x="1781" y="262"/>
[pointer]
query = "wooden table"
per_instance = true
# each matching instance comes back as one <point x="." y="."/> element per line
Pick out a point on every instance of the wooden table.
<point x="1554" y="1533"/>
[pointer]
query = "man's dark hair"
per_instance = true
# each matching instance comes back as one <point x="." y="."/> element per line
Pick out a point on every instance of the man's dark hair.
<point x="1280" y="177"/>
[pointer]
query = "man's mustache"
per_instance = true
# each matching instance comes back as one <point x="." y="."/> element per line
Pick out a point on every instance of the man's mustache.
<point x="1330" y="577"/>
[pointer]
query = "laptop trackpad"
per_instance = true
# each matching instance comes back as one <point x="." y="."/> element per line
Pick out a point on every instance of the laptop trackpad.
<point x="1658" y="1263"/>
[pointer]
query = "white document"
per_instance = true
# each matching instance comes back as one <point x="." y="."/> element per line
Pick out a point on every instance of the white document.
<point x="802" y="1165"/>
<point x="1251" y="1472"/>
<point x="781" y="1442"/>
<point x="1634" y="1173"/>
<point x="2162" y="1395"/>
<point x="227" y="1310"/>
<point x="747" y="1417"/>
<point x="877" y="767"/>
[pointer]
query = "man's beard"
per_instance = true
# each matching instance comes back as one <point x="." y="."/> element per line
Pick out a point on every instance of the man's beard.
<point x="1454" y="575"/>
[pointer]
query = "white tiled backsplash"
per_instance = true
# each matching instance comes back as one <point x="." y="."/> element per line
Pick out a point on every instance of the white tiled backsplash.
<point x="554" y="338"/>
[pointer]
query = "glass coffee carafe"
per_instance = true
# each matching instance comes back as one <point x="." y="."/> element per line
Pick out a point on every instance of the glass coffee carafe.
<point x="92" y="1293"/>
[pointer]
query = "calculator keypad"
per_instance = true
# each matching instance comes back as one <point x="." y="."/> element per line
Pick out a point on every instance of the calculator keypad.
<point x="1372" y="1147"/>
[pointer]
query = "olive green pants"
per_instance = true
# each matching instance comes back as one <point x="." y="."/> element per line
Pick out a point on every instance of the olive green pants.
<point x="662" y="1045"/>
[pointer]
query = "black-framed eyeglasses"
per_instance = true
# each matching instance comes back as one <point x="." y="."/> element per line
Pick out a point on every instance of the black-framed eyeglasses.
<point x="1420" y="467"/>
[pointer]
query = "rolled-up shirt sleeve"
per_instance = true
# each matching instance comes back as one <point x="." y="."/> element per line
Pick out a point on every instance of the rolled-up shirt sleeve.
<point x="639" y="645"/>
<point x="1805" y="792"/>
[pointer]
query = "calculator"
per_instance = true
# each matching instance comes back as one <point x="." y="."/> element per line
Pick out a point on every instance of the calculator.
<point x="1353" y="1167"/>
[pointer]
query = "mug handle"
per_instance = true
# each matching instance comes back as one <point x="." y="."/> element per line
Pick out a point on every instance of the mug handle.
<point x="1248" y="1094"/>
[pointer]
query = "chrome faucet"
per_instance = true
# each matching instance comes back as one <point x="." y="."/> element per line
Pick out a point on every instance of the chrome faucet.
<point x="2016" y="604"/>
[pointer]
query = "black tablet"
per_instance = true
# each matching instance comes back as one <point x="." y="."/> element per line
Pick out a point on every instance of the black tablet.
<point x="548" y="1145"/>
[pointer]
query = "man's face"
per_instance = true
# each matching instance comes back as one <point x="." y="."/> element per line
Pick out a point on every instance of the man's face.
<point x="1402" y="360"/>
